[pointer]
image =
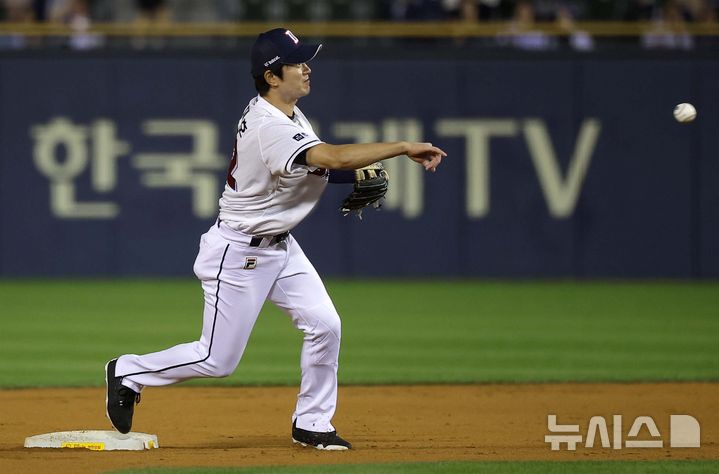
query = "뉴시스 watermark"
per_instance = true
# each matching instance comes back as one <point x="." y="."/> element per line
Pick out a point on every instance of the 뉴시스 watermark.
<point x="684" y="432"/>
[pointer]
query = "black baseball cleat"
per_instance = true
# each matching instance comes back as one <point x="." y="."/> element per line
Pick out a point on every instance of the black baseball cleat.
<point x="119" y="401"/>
<point x="329" y="441"/>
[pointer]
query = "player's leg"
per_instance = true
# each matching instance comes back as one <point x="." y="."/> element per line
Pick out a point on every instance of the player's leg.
<point x="233" y="298"/>
<point x="300" y="292"/>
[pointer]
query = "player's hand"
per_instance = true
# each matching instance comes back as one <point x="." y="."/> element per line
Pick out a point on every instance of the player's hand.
<point x="426" y="155"/>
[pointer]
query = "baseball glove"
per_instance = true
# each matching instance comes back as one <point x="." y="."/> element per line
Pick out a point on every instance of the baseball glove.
<point x="370" y="186"/>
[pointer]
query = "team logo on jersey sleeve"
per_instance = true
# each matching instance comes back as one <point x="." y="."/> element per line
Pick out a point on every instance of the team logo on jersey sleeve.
<point x="250" y="263"/>
<point x="300" y="136"/>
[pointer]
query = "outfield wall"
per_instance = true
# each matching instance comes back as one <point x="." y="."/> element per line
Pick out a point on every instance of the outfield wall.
<point x="558" y="166"/>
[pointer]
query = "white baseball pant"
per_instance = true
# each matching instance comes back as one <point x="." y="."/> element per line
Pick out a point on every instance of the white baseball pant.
<point x="236" y="280"/>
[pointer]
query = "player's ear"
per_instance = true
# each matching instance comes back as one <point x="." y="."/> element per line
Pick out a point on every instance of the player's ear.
<point x="271" y="79"/>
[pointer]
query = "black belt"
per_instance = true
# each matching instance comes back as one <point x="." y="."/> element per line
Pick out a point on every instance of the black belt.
<point x="275" y="239"/>
<point x="257" y="241"/>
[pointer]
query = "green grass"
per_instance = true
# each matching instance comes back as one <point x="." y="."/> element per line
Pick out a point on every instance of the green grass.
<point x="60" y="333"/>
<point x="571" y="467"/>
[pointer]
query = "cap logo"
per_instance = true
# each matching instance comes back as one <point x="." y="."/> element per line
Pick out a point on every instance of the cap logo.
<point x="294" y="38"/>
<point x="271" y="61"/>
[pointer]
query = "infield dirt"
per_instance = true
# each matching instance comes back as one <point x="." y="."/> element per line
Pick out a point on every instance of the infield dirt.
<point x="202" y="426"/>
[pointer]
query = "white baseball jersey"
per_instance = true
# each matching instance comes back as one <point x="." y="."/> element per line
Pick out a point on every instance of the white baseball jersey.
<point x="266" y="192"/>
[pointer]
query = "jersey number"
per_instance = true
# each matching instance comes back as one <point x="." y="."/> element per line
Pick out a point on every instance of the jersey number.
<point x="231" y="169"/>
<point x="241" y="128"/>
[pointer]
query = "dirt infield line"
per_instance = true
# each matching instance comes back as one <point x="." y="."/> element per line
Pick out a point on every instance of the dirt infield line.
<point x="250" y="426"/>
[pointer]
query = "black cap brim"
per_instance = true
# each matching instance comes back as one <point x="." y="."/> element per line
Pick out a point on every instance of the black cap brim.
<point x="304" y="53"/>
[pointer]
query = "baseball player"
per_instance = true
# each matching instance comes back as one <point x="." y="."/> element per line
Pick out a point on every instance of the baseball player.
<point x="277" y="173"/>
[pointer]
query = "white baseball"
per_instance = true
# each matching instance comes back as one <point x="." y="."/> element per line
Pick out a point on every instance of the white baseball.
<point x="685" y="112"/>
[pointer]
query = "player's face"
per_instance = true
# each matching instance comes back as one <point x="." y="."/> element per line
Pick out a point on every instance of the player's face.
<point x="295" y="80"/>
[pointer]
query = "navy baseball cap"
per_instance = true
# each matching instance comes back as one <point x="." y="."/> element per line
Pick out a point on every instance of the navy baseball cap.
<point x="279" y="46"/>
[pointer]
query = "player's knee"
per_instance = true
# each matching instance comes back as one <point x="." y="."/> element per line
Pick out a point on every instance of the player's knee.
<point x="221" y="367"/>
<point x="334" y="325"/>
<point x="221" y="372"/>
<point x="330" y="326"/>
